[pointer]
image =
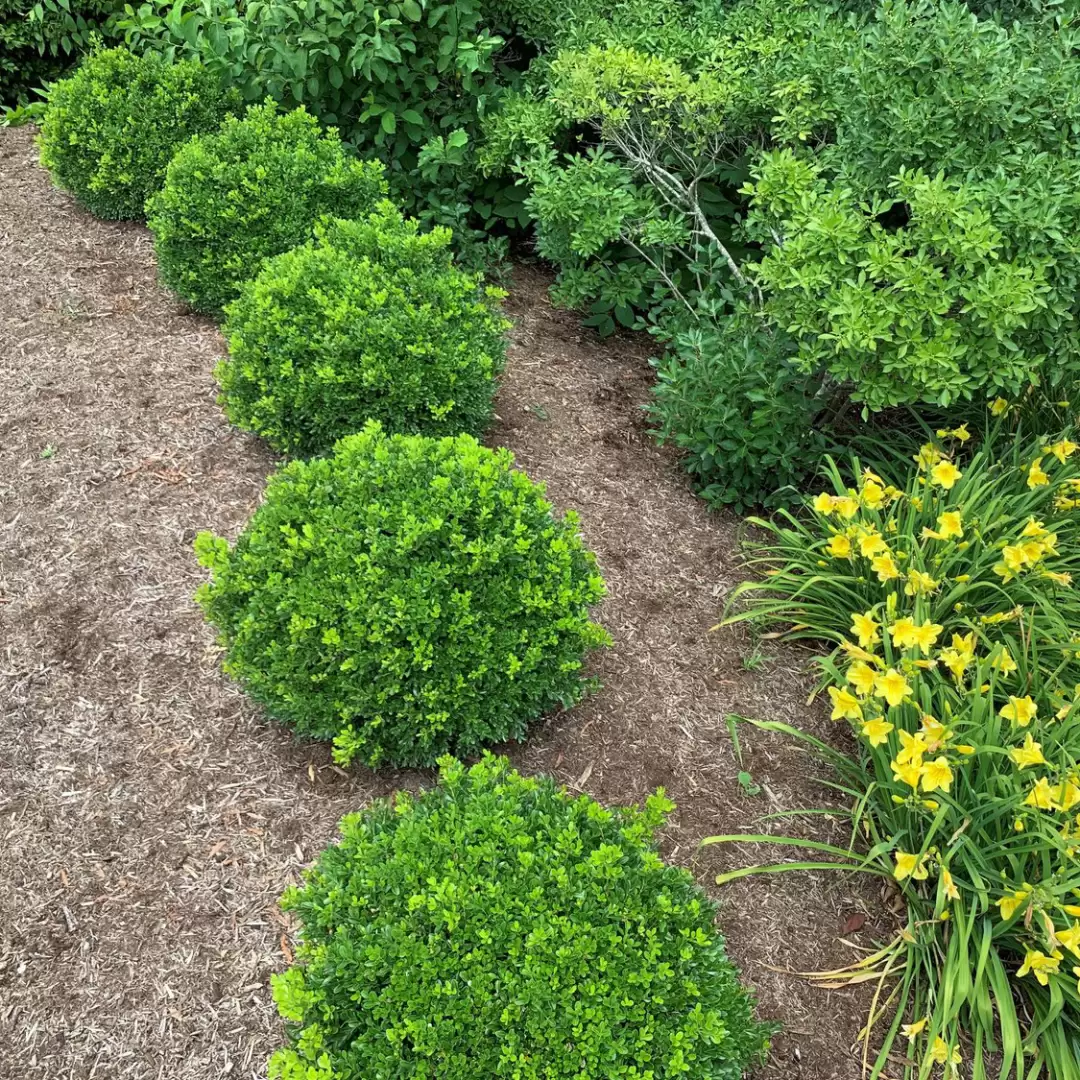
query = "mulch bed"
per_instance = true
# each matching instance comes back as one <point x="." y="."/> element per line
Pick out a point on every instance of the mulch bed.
<point x="150" y="817"/>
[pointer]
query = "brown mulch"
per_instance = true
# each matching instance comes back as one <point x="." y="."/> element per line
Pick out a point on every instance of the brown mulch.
<point x="150" y="818"/>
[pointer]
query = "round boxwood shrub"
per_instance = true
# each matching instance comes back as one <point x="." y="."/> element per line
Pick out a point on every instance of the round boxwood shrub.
<point x="496" y="927"/>
<point x="405" y="597"/>
<point x="371" y="320"/>
<point x="254" y="189"/>
<point x="111" y="129"/>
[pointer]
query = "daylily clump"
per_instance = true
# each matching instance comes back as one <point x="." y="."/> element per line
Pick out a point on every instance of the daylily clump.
<point x="951" y="607"/>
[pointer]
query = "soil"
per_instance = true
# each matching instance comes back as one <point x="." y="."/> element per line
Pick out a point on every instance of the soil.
<point x="150" y="817"/>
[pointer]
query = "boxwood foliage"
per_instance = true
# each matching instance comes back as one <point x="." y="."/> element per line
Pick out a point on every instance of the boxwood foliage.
<point x="405" y="597"/>
<point x="371" y="320"/>
<point x="494" y="926"/>
<point x="252" y="190"/>
<point x="111" y="129"/>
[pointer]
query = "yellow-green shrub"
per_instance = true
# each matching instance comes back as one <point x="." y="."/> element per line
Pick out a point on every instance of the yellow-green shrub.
<point x="951" y="604"/>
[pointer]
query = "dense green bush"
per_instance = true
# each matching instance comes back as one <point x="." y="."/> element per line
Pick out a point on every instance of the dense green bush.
<point x="497" y="927"/>
<point x="253" y="190"/>
<point x="405" y="597"/>
<point x="112" y="128"/>
<point x="729" y="397"/>
<point x="369" y="321"/>
<point x="40" y="41"/>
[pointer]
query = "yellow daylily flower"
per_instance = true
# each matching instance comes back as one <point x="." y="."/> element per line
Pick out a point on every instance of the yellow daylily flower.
<point x="1063" y="449"/>
<point x="862" y="677"/>
<point x="1020" y="711"/>
<point x="909" y="773"/>
<point x="936" y="775"/>
<point x="1027" y="755"/>
<point x="944" y="1054"/>
<point x="1058" y="577"/>
<point x="927" y="456"/>
<point x="1034" y="529"/>
<point x="1004" y="662"/>
<point x="873" y="495"/>
<point x="877" y="731"/>
<point x="839" y="546"/>
<point x="885" y="567"/>
<point x="998" y="406"/>
<point x="857" y="653"/>
<point x="934" y="730"/>
<point x="1040" y="965"/>
<point x="909" y="866"/>
<point x="925" y="636"/>
<point x="945" y="474"/>
<point x="1070" y="938"/>
<point x="1041" y="795"/>
<point x="846" y="506"/>
<point x="920" y="583"/>
<point x="948" y="885"/>
<point x="845" y="705"/>
<point x="912" y="748"/>
<point x="1008" y="905"/>
<point x="1036" y="477"/>
<point x="871" y="544"/>
<point x="824" y="503"/>
<point x="950" y="525"/>
<point x="865" y="628"/>
<point x="892" y="686"/>
<point x="913" y="1031"/>
<point x="902" y="632"/>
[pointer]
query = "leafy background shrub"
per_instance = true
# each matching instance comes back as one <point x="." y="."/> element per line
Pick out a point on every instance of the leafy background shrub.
<point x="370" y="321"/>
<point x="40" y="41"/>
<point x="405" y="597"/>
<point x="951" y="604"/>
<point x="572" y="948"/>
<point x="729" y="397"/>
<point x="253" y="190"/>
<point x="112" y="128"/>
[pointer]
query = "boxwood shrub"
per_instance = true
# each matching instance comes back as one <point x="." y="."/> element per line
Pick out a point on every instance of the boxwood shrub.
<point x="111" y="129"/>
<point x="371" y="320"/>
<point x="405" y="597"/>
<point x="252" y="190"/>
<point x="496" y="927"/>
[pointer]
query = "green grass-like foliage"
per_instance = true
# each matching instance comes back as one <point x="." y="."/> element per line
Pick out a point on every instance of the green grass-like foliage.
<point x="371" y="320"/>
<point x="111" y="129"/>
<point x="253" y="190"/>
<point x="497" y="927"/>
<point x="405" y="597"/>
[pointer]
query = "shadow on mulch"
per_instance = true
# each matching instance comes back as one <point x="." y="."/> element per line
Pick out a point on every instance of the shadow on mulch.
<point x="149" y="818"/>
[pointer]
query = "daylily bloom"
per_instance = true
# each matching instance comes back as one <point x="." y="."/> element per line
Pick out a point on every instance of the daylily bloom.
<point x="943" y="1054"/>
<point x="909" y="866"/>
<point x="945" y="473"/>
<point x="1036" y="476"/>
<point x="909" y="773"/>
<point x="920" y="583"/>
<point x="892" y="686"/>
<point x="846" y="506"/>
<point x="862" y="677"/>
<point x="877" y="731"/>
<point x="839" y="546"/>
<point x="845" y="705"/>
<point x="873" y="494"/>
<point x="865" y="629"/>
<point x="1040" y="965"/>
<point x="936" y="775"/>
<point x="1020" y="711"/>
<point x="1070" y="938"/>
<point x="1041" y="796"/>
<point x="824" y="503"/>
<point x="1063" y="449"/>
<point x="885" y="567"/>
<point x="1028" y="755"/>
<point x="949" y="524"/>
<point x="998" y="406"/>
<point x="912" y="748"/>
<point x="1008" y="905"/>
<point x="871" y="544"/>
<point x="948" y="885"/>
<point x="912" y="1031"/>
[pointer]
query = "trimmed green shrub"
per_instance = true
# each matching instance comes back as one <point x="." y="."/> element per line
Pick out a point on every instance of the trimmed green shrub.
<point x="253" y="190"/>
<point x="112" y="128"/>
<point x="405" y="597"/>
<point x="371" y="320"/>
<point x="497" y="927"/>
<point x="729" y="398"/>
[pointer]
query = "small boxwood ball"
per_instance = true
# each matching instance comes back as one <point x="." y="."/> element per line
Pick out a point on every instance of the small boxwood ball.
<point x="370" y="320"/>
<point x="111" y="129"/>
<point x="252" y="190"/>
<point x="405" y="597"/>
<point x="494" y="927"/>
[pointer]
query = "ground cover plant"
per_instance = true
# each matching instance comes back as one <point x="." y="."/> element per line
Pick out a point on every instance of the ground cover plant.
<point x="573" y="950"/>
<point x="112" y="128"/>
<point x="253" y="189"/>
<point x="370" y="320"/>
<point x="950" y="601"/>
<point x="405" y="597"/>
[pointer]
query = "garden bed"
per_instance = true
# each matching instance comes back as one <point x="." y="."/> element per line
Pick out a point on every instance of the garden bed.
<point x="149" y="817"/>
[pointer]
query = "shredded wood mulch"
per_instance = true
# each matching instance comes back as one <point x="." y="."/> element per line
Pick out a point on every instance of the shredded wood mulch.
<point x="150" y="817"/>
